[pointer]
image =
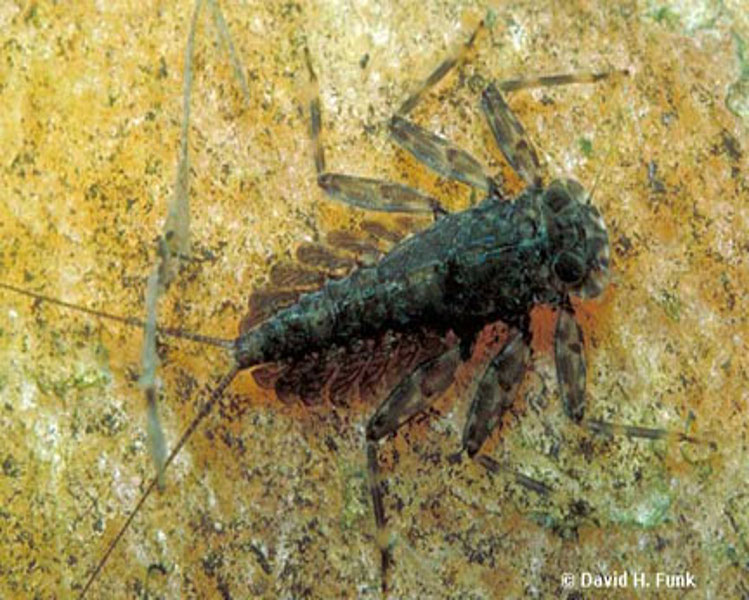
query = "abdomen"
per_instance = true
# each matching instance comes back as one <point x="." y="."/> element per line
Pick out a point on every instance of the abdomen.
<point x="467" y="267"/>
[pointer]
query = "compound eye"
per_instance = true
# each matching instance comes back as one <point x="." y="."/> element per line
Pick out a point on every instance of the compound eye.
<point x="557" y="197"/>
<point x="569" y="267"/>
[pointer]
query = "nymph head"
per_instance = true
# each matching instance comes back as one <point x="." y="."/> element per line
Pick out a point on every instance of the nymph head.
<point x="579" y="240"/>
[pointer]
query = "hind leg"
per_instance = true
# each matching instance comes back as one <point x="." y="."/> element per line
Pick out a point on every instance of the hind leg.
<point x="361" y="192"/>
<point x="435" y="152"/>
<point x="495" y="393"/>
<point x="410" y="397"/>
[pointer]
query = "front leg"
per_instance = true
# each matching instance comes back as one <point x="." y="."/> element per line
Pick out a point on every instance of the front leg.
<point x="496" y="391"/>
<point x="569" y="354"/>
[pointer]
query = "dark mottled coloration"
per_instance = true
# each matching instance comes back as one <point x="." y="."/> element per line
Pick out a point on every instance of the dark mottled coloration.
<point x="489" y="263"/>
<point x="399" y="313"/>
<point x="492" y="262"/>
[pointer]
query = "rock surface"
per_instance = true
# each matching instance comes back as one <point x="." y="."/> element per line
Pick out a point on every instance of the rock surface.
<point x="272" y="501"/>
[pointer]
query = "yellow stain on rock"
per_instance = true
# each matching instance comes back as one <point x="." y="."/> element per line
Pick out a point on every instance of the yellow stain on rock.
<point x="272" y="501"/>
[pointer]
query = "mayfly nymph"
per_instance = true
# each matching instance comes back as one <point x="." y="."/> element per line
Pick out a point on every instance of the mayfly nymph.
<point x="334" y="328"/>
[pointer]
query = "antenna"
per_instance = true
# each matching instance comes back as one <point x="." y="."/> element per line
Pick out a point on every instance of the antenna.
<point x="604" y="164"/>
<point x="601" y="169"/>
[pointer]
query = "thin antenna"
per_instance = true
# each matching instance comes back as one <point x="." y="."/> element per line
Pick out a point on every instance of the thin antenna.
<point x="599" y="174"/>
<point x="131" y="321"/>
<point x="204" y="411"/>
<point x="604" y="165"/>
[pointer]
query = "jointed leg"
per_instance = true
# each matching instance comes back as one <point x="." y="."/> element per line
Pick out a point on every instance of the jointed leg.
<point x="511" y="85"/>
<point x="437" y="153"/>
<point x="495" y="394"/>
<point x="569" y="355"/>
<point x="509" y="133"/>
<point x="439" y="73"/>
<point x="510" y="136"/>
<point x="362" y="192"/>
<point x="315" y="113"/>
<point x="529" y="483"/>
<point x="410" y="397"/>
<point x="377" y="194"/>
<point x="496" y="391"/>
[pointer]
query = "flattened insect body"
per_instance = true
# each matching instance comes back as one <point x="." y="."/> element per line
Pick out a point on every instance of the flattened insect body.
<point x="364" y="332"/>
<point x="492" y="262"/>
<point x="397" y="324"/>
<point x="402" y="323"/>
